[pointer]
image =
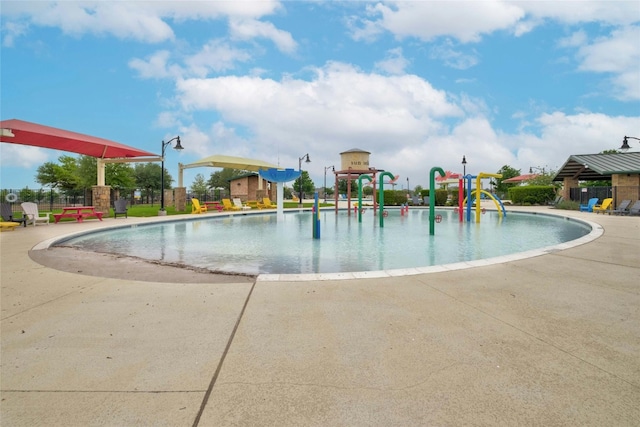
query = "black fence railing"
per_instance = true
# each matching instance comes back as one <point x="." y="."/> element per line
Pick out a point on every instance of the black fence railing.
<point x="618" y="193"/>
<point x="47" y="199"/>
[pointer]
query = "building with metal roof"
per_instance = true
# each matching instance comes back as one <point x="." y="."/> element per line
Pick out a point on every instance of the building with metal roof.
<point x="622" y="169"/>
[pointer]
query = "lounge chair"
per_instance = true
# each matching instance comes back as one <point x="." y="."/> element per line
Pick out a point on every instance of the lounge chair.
<point x="295" y="198"/>
<point x="33" y="215"/>
<point x="622" y="209"/>
<point x="589" y="206"/>
<point x="606" y="204"/>
<point x="238" y="203"/>
<point x="266" y="203"/>
<point x="228" y="206"/>
<point x="556" y="201"/>
<point x="120" y="208"/>
<point x="196" y="208"/>
<point x="9" y="216"/>
<point x="635" y="209"/>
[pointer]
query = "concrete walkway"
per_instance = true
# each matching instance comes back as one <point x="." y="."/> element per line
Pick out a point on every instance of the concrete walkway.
<point x="550" y="340"/>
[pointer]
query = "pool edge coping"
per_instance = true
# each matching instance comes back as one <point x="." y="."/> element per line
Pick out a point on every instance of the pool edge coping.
<point x="596" y="231"/>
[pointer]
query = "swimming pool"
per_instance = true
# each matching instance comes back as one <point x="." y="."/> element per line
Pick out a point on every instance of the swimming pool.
<point x="260" y="244"/>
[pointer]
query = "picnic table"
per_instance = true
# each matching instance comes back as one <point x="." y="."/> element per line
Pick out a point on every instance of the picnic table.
<point x="215" y="205"/>
<point x="79" y="213"/>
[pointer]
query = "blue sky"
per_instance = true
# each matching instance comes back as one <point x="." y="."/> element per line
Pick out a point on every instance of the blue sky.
<point x="416" y="83"/>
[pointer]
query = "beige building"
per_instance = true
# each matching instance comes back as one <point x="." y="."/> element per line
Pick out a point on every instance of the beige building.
<point x="251" y="187"/>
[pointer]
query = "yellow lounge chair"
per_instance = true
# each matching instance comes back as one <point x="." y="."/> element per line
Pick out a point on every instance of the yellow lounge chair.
<point x="266" y="203"/>
<point x="196" y="208"/>
<point x="606" y="204"/>
<point x="228" y="206"/>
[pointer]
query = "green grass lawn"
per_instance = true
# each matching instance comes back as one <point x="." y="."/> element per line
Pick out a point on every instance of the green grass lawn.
<point x="149" y="210"/>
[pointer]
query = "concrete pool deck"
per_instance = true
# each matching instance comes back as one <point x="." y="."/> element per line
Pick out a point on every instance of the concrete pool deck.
<point x="549" y="340"/>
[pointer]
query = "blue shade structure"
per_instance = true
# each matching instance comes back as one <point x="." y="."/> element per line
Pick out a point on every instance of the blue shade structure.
<point x="279" y="176"/>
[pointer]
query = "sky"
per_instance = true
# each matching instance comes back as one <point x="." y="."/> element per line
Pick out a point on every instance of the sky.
<point x="418" y="84"/>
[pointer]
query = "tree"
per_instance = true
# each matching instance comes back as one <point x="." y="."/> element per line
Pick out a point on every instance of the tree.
<point x="307" y="184"/>
<point x="199" y="185"/>
<point x="507" y="172"/>
<point x="148" y="178"/>
<point x="220" y="179"/>
<point x="64" y="176"/>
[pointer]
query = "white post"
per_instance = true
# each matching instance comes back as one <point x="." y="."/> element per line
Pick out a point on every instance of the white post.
<point x="280" y="202"/>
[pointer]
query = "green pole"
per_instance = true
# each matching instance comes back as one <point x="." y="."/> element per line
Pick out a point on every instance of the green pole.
<point x="432" y="197"/>
<point x="381" y="195"/>
<point x="360" y="195"/>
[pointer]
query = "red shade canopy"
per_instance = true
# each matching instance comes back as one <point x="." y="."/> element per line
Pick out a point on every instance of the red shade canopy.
<point x="520" y="178"/>
<point x="36" y="135"/>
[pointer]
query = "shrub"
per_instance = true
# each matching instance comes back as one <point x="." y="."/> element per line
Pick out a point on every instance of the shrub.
<point x="532" y="194"/>
<point x="568" y="205"/>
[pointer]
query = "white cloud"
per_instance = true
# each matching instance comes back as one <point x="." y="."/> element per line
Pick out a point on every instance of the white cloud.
<point x="247" y="29"/>
<point x="216" y="55"/>
<point x="464" y="21"/>
<point x="453" y="58"/>
<point x="618" y="54"/>
<point x="394" y="63"/>
<point x="24" y="156"/>
<point x="155" y="67"/>
<point x="145" y="21"/>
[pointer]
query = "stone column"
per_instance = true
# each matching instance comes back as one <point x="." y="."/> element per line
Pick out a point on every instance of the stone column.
<point x="102" y="198"/>
<point x="568" y="183"/>
<point x="168" y="197"/>
<point x="180" y="194"/>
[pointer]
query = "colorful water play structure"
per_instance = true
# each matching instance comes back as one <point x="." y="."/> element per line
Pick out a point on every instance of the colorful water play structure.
<point x="478" y="192"/>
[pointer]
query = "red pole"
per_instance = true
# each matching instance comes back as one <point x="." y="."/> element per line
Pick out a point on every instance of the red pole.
<point x="460" y="197"/>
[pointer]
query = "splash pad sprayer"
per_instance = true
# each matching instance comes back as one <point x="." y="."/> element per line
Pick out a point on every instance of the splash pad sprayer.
<point x="316" y="217"/>
<point x="360" y="194"/>
<point x="381" y="193"/>
<point x="478" y="192"/>
<point x="432" y="197"/>
<point x="279" y="176"/>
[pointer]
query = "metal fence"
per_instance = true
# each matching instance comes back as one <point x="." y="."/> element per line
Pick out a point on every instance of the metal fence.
<point x="47" y="199"/>
<point x="618" y="193"/>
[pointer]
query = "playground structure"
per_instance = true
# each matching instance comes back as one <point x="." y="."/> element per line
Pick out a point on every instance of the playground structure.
<point x="478" y="192"/>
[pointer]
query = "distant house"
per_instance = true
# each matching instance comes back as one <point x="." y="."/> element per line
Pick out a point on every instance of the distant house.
<point x="250" y="186"/>
<point x="621" y="169"/>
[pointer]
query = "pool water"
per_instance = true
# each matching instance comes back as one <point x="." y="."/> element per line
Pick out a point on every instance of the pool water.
<point x="260" y="244"/>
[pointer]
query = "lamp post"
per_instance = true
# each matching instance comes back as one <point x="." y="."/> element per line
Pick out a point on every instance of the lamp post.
<point x="532" y="168"/>
<point x="408" y="188"/>
<point x="625" y="144"/>
<point x="464" y="165"/>
<point x="164" y="146"/>
<point x="325" y="180"/>
<point x="306" y="156"/>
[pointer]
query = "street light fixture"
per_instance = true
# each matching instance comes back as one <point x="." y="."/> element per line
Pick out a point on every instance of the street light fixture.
<point x="532" y="168"/>
<point x="164" y="146"/>
<point x="306" y="156"/>
<point x="408" y="188"/>
<point x="625" y="144"/>
<point x="325" y="180"/>
<point x="464" y="166"/>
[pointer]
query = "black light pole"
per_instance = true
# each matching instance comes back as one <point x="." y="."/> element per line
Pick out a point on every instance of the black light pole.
<point x="300" y="169"/>
<point x="531" y="168"/>
<point x="464" y="166"/>
<point x="164" y="146"/>
<point x="625" y="144"/>
<point x="325" y="180"/>
<point x="408" y="189"/>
